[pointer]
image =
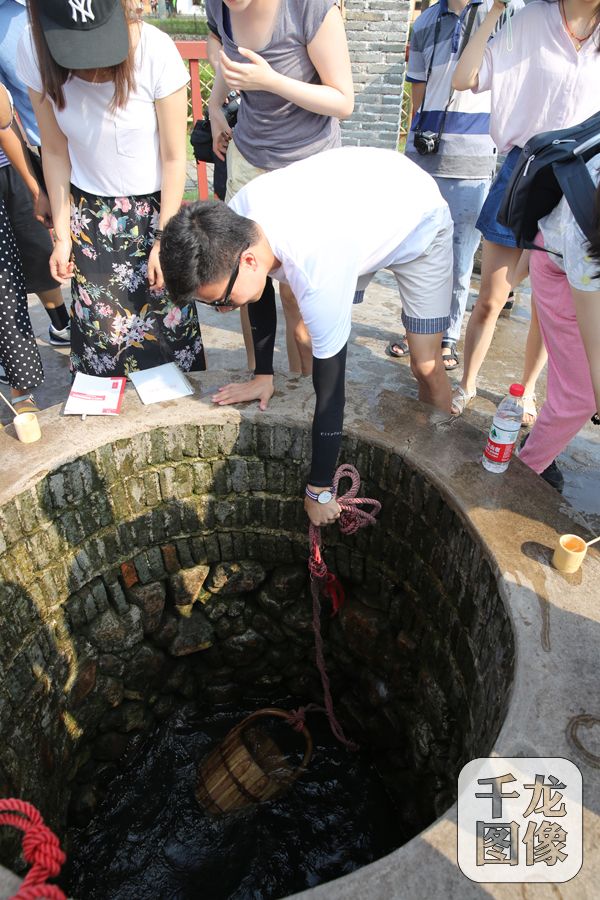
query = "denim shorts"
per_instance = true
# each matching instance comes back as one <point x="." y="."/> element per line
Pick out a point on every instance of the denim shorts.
<point x="487" y="223"/>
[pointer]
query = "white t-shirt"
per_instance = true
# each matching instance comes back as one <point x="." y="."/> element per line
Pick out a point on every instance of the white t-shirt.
<point x="114" y="154"/>
<point x="4" y="160"/>
<point x="327" y="225"/>
<point x="562" y="235"/>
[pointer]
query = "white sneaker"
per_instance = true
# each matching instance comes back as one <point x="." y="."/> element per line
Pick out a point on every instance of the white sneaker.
<point x="60" y="338"/>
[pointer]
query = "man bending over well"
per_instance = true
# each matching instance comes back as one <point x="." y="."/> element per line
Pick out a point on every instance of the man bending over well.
<point x="327" y="247"/>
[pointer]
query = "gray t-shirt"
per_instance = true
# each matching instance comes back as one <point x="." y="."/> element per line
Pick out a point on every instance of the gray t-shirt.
<point x="272" y="132"/>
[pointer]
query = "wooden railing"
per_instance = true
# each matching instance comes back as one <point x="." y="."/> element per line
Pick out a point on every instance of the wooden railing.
<point x="193" y="52"/>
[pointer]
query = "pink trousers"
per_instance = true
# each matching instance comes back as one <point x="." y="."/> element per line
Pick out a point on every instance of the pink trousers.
<point x="570" y="397"/>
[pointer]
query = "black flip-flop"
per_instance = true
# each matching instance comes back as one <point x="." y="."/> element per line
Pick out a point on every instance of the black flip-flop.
<point x="451" y="357"/>
<point x="402" y="344"/>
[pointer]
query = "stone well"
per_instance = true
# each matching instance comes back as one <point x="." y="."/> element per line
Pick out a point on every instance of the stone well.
<point x="169" y="563"/>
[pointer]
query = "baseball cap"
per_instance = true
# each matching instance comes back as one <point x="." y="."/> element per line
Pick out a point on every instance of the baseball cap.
<point x="85" y="34"/>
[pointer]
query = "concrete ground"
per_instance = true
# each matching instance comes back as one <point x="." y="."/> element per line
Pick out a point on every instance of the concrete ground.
<point x="374" y="322"/>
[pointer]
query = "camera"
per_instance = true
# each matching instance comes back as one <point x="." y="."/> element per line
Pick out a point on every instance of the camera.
<point x="427" y="142"/>
<point x="201" y="136"/>
<point x="231" y="107"/>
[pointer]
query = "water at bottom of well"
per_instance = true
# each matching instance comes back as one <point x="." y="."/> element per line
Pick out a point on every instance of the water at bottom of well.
<point x="150" y="839"/>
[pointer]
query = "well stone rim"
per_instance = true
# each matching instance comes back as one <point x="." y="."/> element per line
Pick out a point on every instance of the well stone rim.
<point x="516" y="520"/>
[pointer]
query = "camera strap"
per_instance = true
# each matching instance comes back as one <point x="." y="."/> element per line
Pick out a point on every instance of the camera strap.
<point x="436" y="35"/>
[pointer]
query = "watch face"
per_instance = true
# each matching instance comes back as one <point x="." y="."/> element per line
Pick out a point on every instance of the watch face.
<point x="325" y="497"/>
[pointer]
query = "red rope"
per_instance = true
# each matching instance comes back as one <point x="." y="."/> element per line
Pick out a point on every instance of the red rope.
<point x="325" y="582"/>
<point x="41" y="850"/>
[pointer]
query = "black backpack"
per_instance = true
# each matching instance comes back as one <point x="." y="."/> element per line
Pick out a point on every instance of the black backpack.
<point x="552" y="164"/>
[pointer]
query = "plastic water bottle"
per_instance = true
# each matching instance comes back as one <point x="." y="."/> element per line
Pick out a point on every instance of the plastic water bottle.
<point x="504" y="431"/>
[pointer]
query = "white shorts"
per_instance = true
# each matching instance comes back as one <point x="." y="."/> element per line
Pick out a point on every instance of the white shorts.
<point x="425" y="285"/>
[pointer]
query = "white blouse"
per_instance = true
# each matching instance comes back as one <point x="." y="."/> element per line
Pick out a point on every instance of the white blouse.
<point x="563" y="236"/>
<point x="114" y="153"/>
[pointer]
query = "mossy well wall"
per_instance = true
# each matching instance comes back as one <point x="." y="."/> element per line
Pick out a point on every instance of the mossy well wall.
<point x="171" y="567"/>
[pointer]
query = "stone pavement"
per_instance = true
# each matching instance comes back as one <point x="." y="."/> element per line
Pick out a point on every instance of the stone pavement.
<point x="372" y="372"/>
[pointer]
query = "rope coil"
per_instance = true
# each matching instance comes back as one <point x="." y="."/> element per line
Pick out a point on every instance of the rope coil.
<point x="41" y="849"/>
<point x="325" y="582"/>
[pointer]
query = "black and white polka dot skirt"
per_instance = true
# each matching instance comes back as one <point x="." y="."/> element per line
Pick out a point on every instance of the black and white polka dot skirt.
<point x="19" y="354"/>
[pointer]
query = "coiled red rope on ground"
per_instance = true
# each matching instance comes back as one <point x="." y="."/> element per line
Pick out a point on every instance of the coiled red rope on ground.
<point x="325" y="582"/>
<point x="41" y="849"/>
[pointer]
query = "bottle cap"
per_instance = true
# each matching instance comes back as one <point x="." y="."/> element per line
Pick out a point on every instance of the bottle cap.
<point x="517" y="390"/>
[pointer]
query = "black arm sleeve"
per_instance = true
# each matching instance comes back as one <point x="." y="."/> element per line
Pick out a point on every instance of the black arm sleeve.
<point x="263" y="322"/>
<point x="329" y="377"/>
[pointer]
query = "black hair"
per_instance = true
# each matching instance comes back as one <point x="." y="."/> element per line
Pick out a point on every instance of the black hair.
<point x="200" y="245"/>
<point x="54" y="76"/>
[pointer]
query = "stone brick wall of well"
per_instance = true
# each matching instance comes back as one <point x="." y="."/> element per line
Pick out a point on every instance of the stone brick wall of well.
<point x="171" y="567"/>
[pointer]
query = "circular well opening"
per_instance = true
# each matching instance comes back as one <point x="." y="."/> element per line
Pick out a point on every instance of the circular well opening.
<point x="164" y="577"/>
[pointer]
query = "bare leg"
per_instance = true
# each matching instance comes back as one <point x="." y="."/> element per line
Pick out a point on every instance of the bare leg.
<point x="498" y="268"/>
<point x="535" y="351"/>
<point x="247" y="333"/>
<point x="51" y="299"/>
<point x="428" y="368"/>
<point x="299" y="348"/>
<point x="304" y="347"/>
<point x="521" y="269"/>
<point x="535" y="359"/>
<point x="16" y="393"/>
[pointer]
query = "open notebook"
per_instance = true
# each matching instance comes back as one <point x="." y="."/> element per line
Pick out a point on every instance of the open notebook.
<point x="166" y="382"/>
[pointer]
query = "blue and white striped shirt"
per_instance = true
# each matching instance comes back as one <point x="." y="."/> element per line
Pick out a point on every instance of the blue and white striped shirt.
<point x="466" y="148"/>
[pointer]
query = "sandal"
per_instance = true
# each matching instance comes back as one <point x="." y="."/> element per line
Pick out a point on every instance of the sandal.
<point x="397" y="349"/>
<point x="450" y="359"/>
<point x="25" y="404"/>
<point x="530" y="410"/>
<point x="461" y="399"/>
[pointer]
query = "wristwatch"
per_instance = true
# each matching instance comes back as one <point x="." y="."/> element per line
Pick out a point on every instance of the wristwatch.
<point x="322" y="497"/>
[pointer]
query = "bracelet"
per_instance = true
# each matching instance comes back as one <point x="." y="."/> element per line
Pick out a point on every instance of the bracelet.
<point x="158" y="234"/>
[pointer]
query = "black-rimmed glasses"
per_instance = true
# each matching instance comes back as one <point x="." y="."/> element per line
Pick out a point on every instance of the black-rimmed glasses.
<point x="226" y="300"/>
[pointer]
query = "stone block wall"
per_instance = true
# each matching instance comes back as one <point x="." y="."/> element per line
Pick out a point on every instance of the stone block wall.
<point x="377" y="33"/>
<point x="171" y="567"/>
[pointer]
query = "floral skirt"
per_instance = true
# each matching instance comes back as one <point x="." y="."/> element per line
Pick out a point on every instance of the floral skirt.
<point x="118" y="325"/>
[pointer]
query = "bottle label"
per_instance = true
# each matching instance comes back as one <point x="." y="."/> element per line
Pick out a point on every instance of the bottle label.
<point x="500" y="444"/>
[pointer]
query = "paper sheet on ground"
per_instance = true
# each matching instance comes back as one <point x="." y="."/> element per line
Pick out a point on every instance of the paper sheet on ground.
<point x="166" y="382"/>
<point x="94" y="396"/>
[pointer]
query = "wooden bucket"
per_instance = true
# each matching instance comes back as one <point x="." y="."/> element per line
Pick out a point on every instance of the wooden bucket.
<point x="247" y="767"/>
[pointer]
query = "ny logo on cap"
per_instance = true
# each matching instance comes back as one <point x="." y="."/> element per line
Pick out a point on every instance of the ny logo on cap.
<point x="83" y="8"/>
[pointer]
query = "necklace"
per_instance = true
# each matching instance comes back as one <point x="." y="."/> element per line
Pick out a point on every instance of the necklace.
<point x="579" y="41"/>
